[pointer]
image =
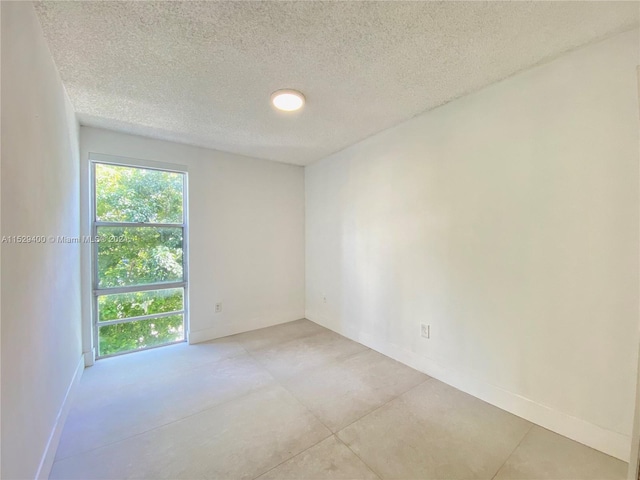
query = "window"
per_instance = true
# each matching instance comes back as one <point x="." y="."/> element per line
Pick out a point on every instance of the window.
<point x="139" y="235"/>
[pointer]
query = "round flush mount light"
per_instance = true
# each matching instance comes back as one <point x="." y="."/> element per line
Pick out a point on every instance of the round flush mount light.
<point x="287" y="100"/>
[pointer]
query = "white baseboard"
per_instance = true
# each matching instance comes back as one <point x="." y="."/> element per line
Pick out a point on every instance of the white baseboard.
<point x="232" y="328"/>
<point x="44" y="469"/>
<point x="607" y="441"/>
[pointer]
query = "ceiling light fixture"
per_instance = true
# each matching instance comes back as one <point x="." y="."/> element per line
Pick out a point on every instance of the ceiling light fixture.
<point x="287" y="100"/>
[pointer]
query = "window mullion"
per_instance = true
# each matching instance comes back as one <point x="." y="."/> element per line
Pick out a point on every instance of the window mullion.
<point x="138" y="224"/>
<point x="140" y="317"/>
<point x="138" y="288"/>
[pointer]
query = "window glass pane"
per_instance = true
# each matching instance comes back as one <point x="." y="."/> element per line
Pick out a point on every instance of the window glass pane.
<point x="139" y="255"/>
<point x="137" y="304"/>
<point x="127" y="194"/>
<point x="125" y="337"/>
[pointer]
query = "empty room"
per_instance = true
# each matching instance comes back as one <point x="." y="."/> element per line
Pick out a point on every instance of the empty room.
<point x="313" y="240"/>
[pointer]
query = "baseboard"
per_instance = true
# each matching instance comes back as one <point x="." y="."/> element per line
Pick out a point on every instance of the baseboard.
<point x="607" y="441"/>
<point x="44" y="469"/>
<point x="233" y="328"/>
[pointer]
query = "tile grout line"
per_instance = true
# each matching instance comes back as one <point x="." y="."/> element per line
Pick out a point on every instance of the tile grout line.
<point x="84" y="452"/>
<point x="277" y="381"/>
<point x="281" y="383"/>
<point x="293" y="456"/>
<point x="333" y="434"/>
<point x="359" y="458"/>
<point x="312" y="369"/>
<point x="248" y="392"/>
<point x="305" y="372"/>
<point x="176" y="374"/>
<point x="337" y="361"/>
<point x="307" y="409"/>
<point x="289" y="340"/>
<point x="513" y="451"/>
<point x="369" y="413"/>
<point x="384" y="404"/>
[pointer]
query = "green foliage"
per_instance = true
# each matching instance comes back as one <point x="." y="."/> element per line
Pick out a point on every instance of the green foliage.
<point x="126" y="194"/>
<point x="139" y="255"/>
<point x="137" y="304"/>
<point x="123" y="337"/>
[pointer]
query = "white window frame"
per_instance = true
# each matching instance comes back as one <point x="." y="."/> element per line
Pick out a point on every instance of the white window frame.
<point x="96" y="291"/>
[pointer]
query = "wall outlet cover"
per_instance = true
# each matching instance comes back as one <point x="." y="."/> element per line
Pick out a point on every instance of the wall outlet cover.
<point x="425" y="330"/>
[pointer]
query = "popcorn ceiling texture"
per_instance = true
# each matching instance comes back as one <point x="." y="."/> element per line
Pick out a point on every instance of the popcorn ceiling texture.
<point x="202" y="72"/>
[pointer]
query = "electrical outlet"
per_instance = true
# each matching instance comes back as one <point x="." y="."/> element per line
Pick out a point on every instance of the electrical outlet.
<point x="425" y="330"/>
<point x="218" y="307"/>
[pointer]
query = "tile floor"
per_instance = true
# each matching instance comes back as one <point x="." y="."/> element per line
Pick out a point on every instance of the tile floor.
<point x="297" y="401"/>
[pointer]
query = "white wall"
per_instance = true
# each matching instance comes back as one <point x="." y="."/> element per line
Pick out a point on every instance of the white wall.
<point x="508" y="221"/>
<point x="246" y="232"/>
<point x="41" y="345"/>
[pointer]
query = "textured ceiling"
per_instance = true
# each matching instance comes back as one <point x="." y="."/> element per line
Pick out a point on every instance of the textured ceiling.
<point x="202" y="72"/>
